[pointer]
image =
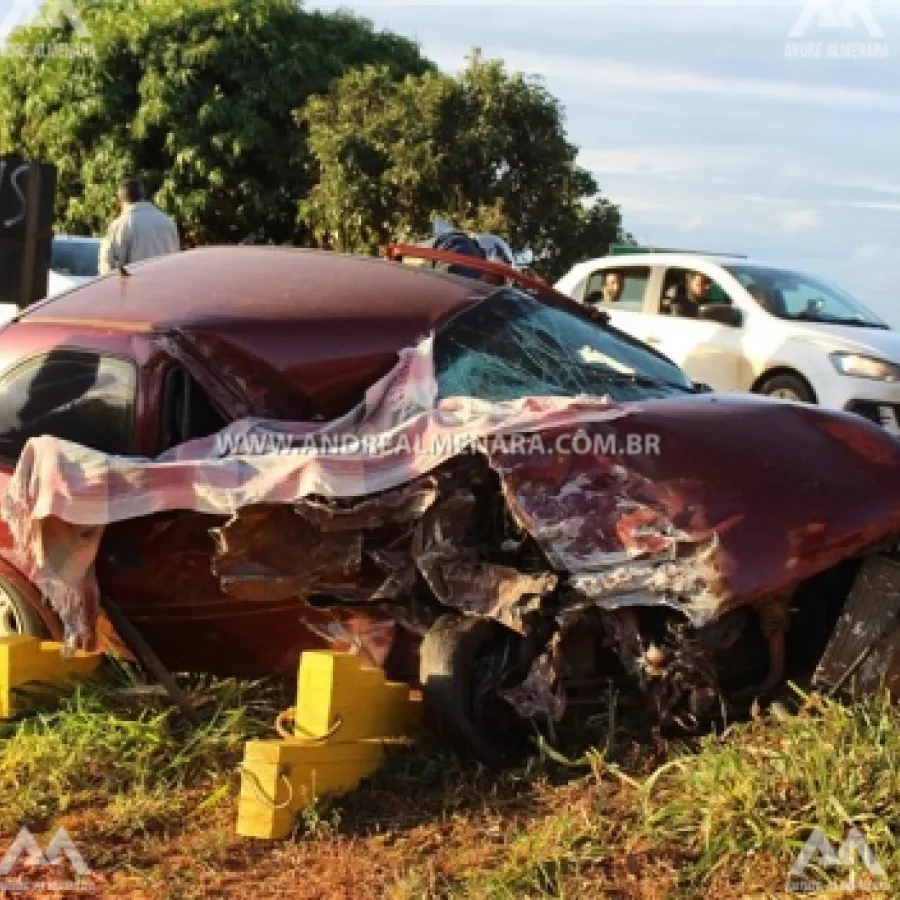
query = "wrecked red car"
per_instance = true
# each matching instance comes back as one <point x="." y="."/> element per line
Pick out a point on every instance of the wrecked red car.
<point x="256" y="451"/>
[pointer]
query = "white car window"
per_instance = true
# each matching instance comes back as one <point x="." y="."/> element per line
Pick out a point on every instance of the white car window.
<point x="623" y="288"/>
<point x="684" y="291"/>
<point x="77" y="259"/>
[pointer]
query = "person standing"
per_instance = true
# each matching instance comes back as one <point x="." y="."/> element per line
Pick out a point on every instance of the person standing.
<point x="141" y="230"/>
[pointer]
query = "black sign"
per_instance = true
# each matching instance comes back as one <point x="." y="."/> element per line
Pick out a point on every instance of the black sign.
<point x="26" y="223"/>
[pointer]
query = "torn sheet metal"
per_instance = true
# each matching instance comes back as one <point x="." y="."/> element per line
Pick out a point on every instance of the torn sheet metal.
<point x="401" y="506"/>
<point x="270" y="553"/>
<point x="864" y="651"/>
<point x="448" y="552"/>
<point x="622" y="538"/>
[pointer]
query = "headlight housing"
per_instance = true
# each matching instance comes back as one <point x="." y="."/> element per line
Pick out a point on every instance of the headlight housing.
<point x="865" y="367"/>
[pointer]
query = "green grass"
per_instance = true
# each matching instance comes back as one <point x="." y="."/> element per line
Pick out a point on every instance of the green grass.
<point x="154" y="801"/>
<point x="759" y="789"/>
<point x="132" y="754"/>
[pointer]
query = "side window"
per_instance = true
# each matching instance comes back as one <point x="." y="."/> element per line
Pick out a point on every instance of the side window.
<point x="187" y="411"/>
<point x="76" y="395"/>
<point x="619" y="288"/>
<point x="684" y="291"/>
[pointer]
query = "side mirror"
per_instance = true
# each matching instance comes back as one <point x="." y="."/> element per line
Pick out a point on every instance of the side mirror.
<point x="723" y="314"/>
<point x="700" y="387"/>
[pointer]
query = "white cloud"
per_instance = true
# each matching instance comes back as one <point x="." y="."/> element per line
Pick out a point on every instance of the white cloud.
<point x="867" y="204"/>
<point x="799" y="220"/>
<point x="640" y="203"/>
<point x="620" y="76"/>
<point x="694" y="223"/>
<point x="849" y="181"/>
<point x="665" y="161"/>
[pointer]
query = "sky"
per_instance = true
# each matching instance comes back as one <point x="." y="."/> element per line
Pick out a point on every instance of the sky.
<point x="769" y="128"/>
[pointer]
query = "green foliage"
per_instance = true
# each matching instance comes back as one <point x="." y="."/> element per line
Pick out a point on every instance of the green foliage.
<point x="195" y="95"/>
<point x="255" y="118"/>
<point x="486" y="150"/>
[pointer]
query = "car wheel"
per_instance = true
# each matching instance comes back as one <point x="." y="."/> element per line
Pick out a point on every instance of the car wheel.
<point x="17" y="615"/>
<point x="787" y="387"/>
<point x="463" y="660"/>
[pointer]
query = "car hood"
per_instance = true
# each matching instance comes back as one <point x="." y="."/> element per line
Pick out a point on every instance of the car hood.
<point x="876" y="342"/>
<point x="724" y="501"/>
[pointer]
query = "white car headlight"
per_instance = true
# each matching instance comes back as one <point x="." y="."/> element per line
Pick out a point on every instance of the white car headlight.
<point x="865" y="367"/>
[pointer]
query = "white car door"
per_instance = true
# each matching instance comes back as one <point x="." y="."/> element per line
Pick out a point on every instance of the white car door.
<point x="709" y="351"/>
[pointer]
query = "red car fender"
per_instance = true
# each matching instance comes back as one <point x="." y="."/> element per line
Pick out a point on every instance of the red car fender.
<point x="108" y="639"/>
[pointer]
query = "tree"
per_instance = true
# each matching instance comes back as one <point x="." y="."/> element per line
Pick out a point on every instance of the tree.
<point x="195" y="95"/>
<point x="486" y="150"/>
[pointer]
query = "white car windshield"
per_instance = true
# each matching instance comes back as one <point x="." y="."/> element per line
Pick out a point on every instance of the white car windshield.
<point x="795" y="295"/>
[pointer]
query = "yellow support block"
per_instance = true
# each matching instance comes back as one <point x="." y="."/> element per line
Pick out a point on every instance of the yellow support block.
<point x="345" y="713"/>
<point x="337" y="687"/>
<point x="280" y="778"/>
<point x="28" y="659"/>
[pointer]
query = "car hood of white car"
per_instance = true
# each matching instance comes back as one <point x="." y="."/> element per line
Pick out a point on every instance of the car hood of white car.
<point x="877" y="342"/>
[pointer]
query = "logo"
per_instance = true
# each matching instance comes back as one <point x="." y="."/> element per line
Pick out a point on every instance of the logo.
<point x="53" y="14"/>
<point x="834" y="18"/>
<point x="854" y="860"/>
<point x="25" y="854"/>
<point x="850" y="14"/>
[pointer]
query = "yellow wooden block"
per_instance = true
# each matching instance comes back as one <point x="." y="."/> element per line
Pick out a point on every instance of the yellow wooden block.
<point x="352" y="709"/>
<point x="28" y="659"/>
<point x="334" y="687"/>
<point x="280" y="778"/>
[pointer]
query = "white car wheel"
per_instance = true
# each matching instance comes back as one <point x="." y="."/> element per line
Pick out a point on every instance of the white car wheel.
<point x="787" y="387"/>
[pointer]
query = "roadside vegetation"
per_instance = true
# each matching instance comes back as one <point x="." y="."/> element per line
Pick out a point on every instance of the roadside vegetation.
<point x="151" y="803"/>
<point x="266" y="122"/>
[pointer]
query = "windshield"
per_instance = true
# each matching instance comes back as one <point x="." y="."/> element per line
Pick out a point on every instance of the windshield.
<point x="512" y="346"/>
<point x="794" y="295"/>
<point x="75" y="258"/>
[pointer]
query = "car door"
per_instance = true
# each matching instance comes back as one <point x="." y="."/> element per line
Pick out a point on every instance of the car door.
<point x="709" y="351"/>
<point x="161" y="569"/>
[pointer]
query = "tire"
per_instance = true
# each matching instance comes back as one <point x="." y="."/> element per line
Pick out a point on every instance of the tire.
<point x="787" y="387"/>
<point x="451" y="653"/>
<point x="16" y="613"/>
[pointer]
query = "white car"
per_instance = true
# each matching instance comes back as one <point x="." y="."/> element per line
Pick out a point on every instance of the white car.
<point x="762" y="328"/>
<point x="74" y="260"/>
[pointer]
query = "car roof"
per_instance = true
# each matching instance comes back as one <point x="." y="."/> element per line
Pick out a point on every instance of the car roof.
<point x="213" y="285"/>
<point x="682" y="260"/>
<point x="77" y="238"/>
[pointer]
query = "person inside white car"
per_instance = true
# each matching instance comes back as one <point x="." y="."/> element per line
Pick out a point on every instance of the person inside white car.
<point x="685" y="298"/>
<point x="613" y="286"/>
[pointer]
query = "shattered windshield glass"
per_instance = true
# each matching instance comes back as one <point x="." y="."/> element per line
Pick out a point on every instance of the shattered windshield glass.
<point x="512" y="346"/>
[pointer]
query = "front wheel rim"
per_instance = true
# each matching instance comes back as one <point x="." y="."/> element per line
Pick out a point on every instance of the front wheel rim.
<point x="10" y="617"/>
<point x="786" y="394"/>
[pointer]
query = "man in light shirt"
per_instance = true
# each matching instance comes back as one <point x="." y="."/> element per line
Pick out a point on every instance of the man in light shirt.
<point x="141" y="231"/>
